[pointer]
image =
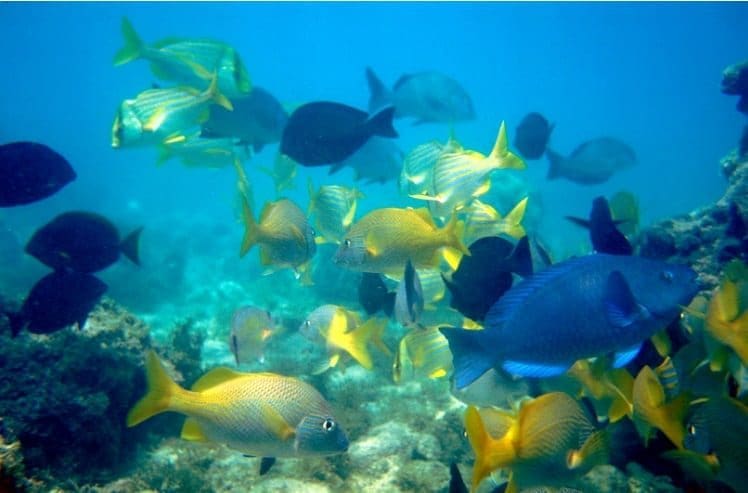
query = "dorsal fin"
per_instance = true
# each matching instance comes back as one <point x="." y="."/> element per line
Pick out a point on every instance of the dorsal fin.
<point x="215" y="377"/>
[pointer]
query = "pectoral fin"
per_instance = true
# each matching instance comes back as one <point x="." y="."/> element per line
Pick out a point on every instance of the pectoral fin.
<point x="621" y="308"/>
<point x="276" y="423"/>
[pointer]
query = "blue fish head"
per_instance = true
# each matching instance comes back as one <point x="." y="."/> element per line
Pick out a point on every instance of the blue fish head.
<point x="320" y="435"/>
<point x="666" y="288"/>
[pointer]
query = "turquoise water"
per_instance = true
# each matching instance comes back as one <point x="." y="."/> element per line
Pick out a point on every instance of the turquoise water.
<point x="648" y="74"/>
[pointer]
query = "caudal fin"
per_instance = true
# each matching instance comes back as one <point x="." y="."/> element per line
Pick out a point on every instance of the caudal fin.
<point x="513" y="221"/>
<point x="216" y="96"/>
<point x="469" y="359"/>
<point x="158" y="398"/>
<point x="490" y="453"/>
<point x="130" y="246"/>
<point x="379" y="95"/>
<point x="555" y="161"/>
<point x="501" y="153"/>
<point x="133" y="45"/>
<point x="381" y="123"/>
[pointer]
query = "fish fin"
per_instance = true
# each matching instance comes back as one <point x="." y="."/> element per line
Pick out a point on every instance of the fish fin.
<point x="490" y="453"/>
<point x="354" y="342"/>
<point x="594" y="451"/>
<point x="216" y="96"/>
<point x="584" y="223"/>
<point x="381" y="123"/>
<point x="156" y="120"/>
<point x="325" y="365"/>
<point x="129" y="246"/>
<point x="623" y="358"/>
<point x="520" y="260"/>
<point x="215" y="377"/>
<point x="662" y="343"/>
<point x="501" y="154"/>
<point x="555" y="163"/>
<point x="453" y="231"/>
<point x="348" y="218"/>
<point x="192" y="431"/>
<point x="513" y="220"/>
<point x="133" y="44"/>
<point x="251" y="232"/>
<point x="275" y="422"/>
<point x="621" y="309"/>
<point x="379" y="95"/>
<point x="158" y="398"/>
<point x="265" y="464"/>
<point x="452" y="257"/>
<point x="532" y="370"/>
<point x="469" y="359"/>
<point x="456" y="483"/>
<point x="649" y="400"/>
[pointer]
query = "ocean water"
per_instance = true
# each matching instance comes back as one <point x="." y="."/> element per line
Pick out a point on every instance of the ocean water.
<point x="646" y="73"/>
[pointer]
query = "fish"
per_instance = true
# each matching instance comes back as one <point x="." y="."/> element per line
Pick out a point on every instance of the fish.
<point x="426" y="96"/>
<point x="282" y="173"/>
<point x="30" y="171"/>
<point x="333" y="208"/>
<point x="384" y="239"/>
<point x="462" y="175"/>
<point x="57" y="300"/>
<point x="343" y="331"/>
<point x="727" y="313"/>
<point x="409" y="298"/>
<point x="482" y="220"/>
<point x="416" y="177"/>
<point x="422" y="353"/>
<point x="532" y="135"/>
<point x="322" y="133"/>
<point x="592" y="162"/>
<point x="188" y="61"/>
<point x="581" y="308"/>
<point x="624" y="209"/>
<point x="285" y="237"/>
<point x="373" y="294"/>
<point x="550" y="441"/>
<point x="197" y="151"/>
<point x="251" y="328"/>
<point x="494" y="388"/>
<point x="485" y="275"/>
<point x="604" y="233"/>
<point x="377" y="161"/>
<point x="653" y="409"/>
<point x="156" y="115"/>
<point x="610" y="389"/>
<point x="257" y="414"/>
<point x="257" y="119"/>
<point x="82" y="241"/>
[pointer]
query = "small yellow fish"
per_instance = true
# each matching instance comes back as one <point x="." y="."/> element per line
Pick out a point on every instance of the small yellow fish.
<point x="611" y="389"/>
<point x="333" y="208"/>
<point x="156" y="115"/>
<point x="283" y="172"/>
<point x="198" y="151"/>
<point x="416" y="177"/>
<point x="483" y="220"/>
<point x="259" y="414"/>
<point x="727" y="317"/>
<point x="384" y="239"/>
<point x="652" y="409"/>
<point x="250" y="330"/>
<point x="551" y="441"/>
<point x="422" y="352"/>
<point x="285" y="237"/>
<point x="189" y="61"/>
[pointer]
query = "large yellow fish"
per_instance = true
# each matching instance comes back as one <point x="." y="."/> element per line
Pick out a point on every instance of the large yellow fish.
<point x="156" y="115"/>
<point x="333" y="208"/>
<point x="189" y="61"/>
<point x="384" y="239"/>
<point x="550" y="441"/>
<point x="259" y="414"/>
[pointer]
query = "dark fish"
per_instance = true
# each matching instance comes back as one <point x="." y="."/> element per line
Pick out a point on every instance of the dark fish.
<point x="591" y="163"/>
<point x="257" y="119"/>
<point x="374" y="296"/>
<point x="83" y="242"/>
<point x="486" y="274"/>
<point x="378" y="161"/>
<point x="56" y="301"/>
<point x="325" y="133"/>
<point x="604" y="234"/>
<point x="580" y="308"/>
<point x="31" y="172"/>
<point x="532" y="136"/>
<point x="409" y="298"/>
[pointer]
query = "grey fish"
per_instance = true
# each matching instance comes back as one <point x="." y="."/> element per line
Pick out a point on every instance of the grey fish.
<point x="591" y="163"/>
<point x="409" y="298"/>
<point x="580" y="308"/>
<point x="378" y="161"/>
<point x="426" y="96"/>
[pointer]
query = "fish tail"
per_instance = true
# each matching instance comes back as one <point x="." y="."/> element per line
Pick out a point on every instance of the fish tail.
<point x="355" y="342"/>
<point x="513" y="220"/>
<point x="133" y="48"/>
<point x="130" y="246"/>
<point x="381" y="123"/>
<point x="454" y="230"/>
<point x="379" y="95"/>
<point x="594" y="451"/>
<point x="158" y="398"/>
<point x="216" y="96"/>
<point x="251" y="233"/>
<point x="501" y="154"/>
<point x="555" y="161"/>
<point x="490" y="453"/>
<point x="469" y="359"/>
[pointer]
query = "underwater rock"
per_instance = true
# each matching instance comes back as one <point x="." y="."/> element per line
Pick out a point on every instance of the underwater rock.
<point x="735" y="82"/>
<point x="12" y="477"/>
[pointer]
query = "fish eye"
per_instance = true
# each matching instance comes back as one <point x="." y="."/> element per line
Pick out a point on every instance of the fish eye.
<point x="328" y="424"/>
<point x="347" y="243"/>
<point x="691" y="429"/>
<point x="667" y="276"/>
<point x="314" y="233"/>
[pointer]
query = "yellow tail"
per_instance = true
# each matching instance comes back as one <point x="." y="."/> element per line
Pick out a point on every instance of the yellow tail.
<point x="501" y="153"/>
<point x="158" y="398"/>
<point x="490" y="453"/>
<point x="215" y="94"/>
<point x="133" y="45"/>
<point x="513" y="220"/>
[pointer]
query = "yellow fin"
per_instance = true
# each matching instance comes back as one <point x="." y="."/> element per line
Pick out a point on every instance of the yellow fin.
<point x="191" y="431"/>
<point x="161" y="389"/>
<point x="662" y="344"/>
<point x="133" y="45"/>
<point x="650" y="406"/>
<point x="594" y="451"/>
<point x="155" y="120"/>
<point x="354" y="342"/>
<point x="453" y="232"/>
<point x="276" y="423"/>
<point x="501" y="154"/>
<point x="489" y="453"/>
<point x="216" y="95"/>
<point x="513" y="220"/>
<point x="348" y="218"/>
<point x="215" y="377"/>
<point x="251" y="232"/>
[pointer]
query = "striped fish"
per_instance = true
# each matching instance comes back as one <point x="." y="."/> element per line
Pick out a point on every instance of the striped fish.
<point x="483" y="220"/>
<point x="333" y="208"/>
<point x="422" y="353"/>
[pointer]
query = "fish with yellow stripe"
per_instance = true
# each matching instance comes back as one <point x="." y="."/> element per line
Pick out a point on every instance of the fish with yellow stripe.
<point x="333" y="208"/>
<point x="196" y="151"/>
<point x="483" y="220"/>
<point x="653" y="409"/>
<point x="416" y="177"/>
<point x="156" y="115"/>
<point x="258" y="414"/>
<point x="422" y="352"/>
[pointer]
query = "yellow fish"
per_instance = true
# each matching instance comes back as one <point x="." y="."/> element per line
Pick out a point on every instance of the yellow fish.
<point x="551" y="440"/>
<point x="384" y="239"/>
<point x="483" y="220"/>
<point x="282" y="173"/>
<point x="611" y="389"/>
<point x="259" y="414"/>
<point x="333" y="208"/>
<point x="285" y="237"/>
<point x="727" y="317"/>
<point x="652" y="409"/>
<point x="250" y="329"/>
<point x="422" y="352"/>
<point x="189" y="61"/>
<point x="156" y="115"/>
<point x="416" y="177"/>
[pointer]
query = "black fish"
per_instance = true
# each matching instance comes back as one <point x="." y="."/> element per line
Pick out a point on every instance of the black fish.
<point x="31" y="172"/>
<point x="486" y="274"/>
<point x="532" y="136"/>
<point x="374" y="296"/>
<point x="56" y="301"/>
<point x="81" y="241"/>
<point x="604" y="235"/>
<point x="325" y="133"/>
